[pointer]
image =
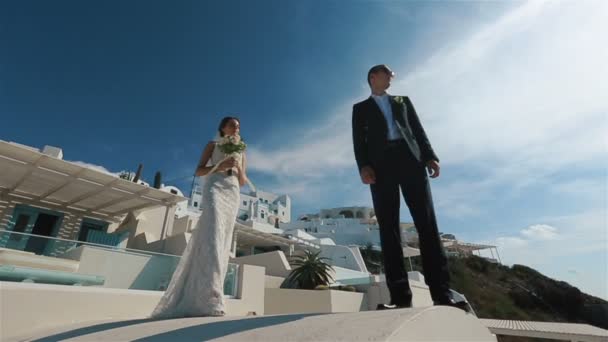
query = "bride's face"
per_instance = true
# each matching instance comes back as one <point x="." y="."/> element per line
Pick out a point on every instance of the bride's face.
<point x="232" y="127"/>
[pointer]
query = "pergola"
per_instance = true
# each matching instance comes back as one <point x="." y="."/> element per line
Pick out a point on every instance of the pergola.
<point x="28" y="176"/>
<point x="248" y="236"/>
<point x="468" y="248"/>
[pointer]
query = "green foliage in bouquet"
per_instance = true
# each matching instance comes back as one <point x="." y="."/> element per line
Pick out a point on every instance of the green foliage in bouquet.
<point x="232" y="146"/>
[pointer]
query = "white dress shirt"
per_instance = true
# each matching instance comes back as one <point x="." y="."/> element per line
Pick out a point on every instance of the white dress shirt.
<point x="384" y="103"/>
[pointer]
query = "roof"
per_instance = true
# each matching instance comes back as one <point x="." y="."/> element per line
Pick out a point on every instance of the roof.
<point x="248" y="235"/>
<point x="455" y="244"/>
<point x="550" y="330"/>
<point x="47" y="181"/>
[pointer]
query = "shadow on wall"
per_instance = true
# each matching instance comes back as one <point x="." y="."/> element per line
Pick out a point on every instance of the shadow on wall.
<point x="156" y="274"/>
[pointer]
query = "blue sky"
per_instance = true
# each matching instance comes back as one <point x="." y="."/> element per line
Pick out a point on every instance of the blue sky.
<point x="512" y="95"/>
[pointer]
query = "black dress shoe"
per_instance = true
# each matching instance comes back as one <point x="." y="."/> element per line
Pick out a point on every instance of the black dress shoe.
<point x="393" y="306"/>
<point x="462" y="305"/>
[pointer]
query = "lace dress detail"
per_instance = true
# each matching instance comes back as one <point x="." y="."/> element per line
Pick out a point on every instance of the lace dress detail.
<point x="197" y="286"/>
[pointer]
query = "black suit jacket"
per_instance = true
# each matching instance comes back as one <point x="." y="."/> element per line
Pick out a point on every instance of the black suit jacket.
<point x="370" y="131"/>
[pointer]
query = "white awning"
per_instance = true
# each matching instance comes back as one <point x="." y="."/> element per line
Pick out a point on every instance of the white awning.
<point x="51" y="182"/>
<point x="466" y="246"/>
<point x="253" y="237"/>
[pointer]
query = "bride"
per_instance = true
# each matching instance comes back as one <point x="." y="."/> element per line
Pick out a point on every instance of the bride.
<point x="197" y="285"/>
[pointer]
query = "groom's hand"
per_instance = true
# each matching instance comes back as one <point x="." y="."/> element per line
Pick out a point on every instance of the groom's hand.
<point x="368" y="176"/>
<point x="433" y="168"/>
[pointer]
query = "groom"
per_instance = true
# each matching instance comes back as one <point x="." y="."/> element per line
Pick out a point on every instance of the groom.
<point x="392" y="152"/>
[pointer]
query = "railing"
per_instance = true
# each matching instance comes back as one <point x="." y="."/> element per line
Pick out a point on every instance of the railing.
<point x="121" y="267"/>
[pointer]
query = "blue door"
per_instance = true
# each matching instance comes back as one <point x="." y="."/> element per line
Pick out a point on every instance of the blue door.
<point x="22" y="222"/>
<point x="34" y="221"/>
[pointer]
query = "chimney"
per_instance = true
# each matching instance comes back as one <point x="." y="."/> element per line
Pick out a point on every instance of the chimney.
<point x="53" y="151"/>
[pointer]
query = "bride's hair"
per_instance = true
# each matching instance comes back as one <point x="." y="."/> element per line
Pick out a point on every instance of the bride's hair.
<point x="225" y="121"/>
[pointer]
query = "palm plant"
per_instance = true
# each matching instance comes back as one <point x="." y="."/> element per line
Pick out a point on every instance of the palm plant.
<point x="310" y="271"/>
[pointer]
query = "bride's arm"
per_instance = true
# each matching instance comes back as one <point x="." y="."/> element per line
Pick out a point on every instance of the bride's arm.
<point x="201" y="169"/>
<point x="243" y="171"/>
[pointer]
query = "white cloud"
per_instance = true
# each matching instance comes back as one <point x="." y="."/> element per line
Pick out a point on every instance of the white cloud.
<point x="520" y="103"/>
<point x="523" y="90"/>
<point x="312" y="153"/>
<point x="520" y="100"/>
<point x="540" y="232"/>
<point x="596" y="189"/>
<point x="583" y="232"/>
<point x="541" y="246"/>
<point x="511" y="242"/>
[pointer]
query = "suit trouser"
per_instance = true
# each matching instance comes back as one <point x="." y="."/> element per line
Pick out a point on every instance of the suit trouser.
<point x="399" y="169"/>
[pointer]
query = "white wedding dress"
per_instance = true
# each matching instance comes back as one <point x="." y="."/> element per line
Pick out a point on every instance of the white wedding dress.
<point x="197" y="285"/>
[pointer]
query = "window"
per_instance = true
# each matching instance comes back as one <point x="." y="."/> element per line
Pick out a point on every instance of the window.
<point x="196" y="204"/>
<point x="91" y="224"/>
<point x="244" y="202"/>
<point x="347" y="214"/>
<point x="283" y="213"/>
<point x="22" y="221"/>
<point x="262" y="215"/>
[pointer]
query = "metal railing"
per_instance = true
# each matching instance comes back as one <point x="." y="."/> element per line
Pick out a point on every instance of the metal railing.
<point x="123" y="271"/>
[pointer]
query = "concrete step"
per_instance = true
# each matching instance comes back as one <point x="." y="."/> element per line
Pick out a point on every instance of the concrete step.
<point x="418" y="324"/>
<point x="26" y="307"/>
<point x="28" y="259"/>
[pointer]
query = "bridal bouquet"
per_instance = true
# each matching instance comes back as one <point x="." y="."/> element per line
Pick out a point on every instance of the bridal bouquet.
<point x="231" y="144"/>
<point x="233" y="147"/>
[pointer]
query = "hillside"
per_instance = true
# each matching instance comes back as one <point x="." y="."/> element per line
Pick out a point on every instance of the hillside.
<point x="521" y="293"/>
<point x="516" y="293"/>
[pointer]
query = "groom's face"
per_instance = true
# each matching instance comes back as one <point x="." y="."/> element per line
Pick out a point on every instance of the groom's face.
<point x="381" y="80"/>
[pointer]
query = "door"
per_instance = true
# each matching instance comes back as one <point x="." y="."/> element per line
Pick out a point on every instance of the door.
<point x="31" y="220"/>
<point x="44" y="226"/>
<point x="90" y="224"/>
<point x="22" y="222"/>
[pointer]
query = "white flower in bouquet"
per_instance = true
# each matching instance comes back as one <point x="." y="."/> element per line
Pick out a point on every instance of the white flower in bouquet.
<point x="233" y="147"/>
<point x="231" y="144"/>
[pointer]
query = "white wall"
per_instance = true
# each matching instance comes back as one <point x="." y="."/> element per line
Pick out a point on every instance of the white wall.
<point x="124" y="270"/>
<point x="343" y="256"/>
<point x="275" y="263"/>
<point x="28" y="308"/>
<point x="148" y="221"/>
<point x="290" y="301"/>
<point x="346" y="231"/>
<point x="266" y="203"/>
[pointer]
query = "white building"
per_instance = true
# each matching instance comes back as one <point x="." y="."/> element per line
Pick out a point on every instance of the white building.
<point x="258" y="206"/>
<point x="196" y="195"/>
<point x="65" y="224"/>
<point x="346" y="226"/>
<point x="265" y="207"/>
<point x="348" y="212"/>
